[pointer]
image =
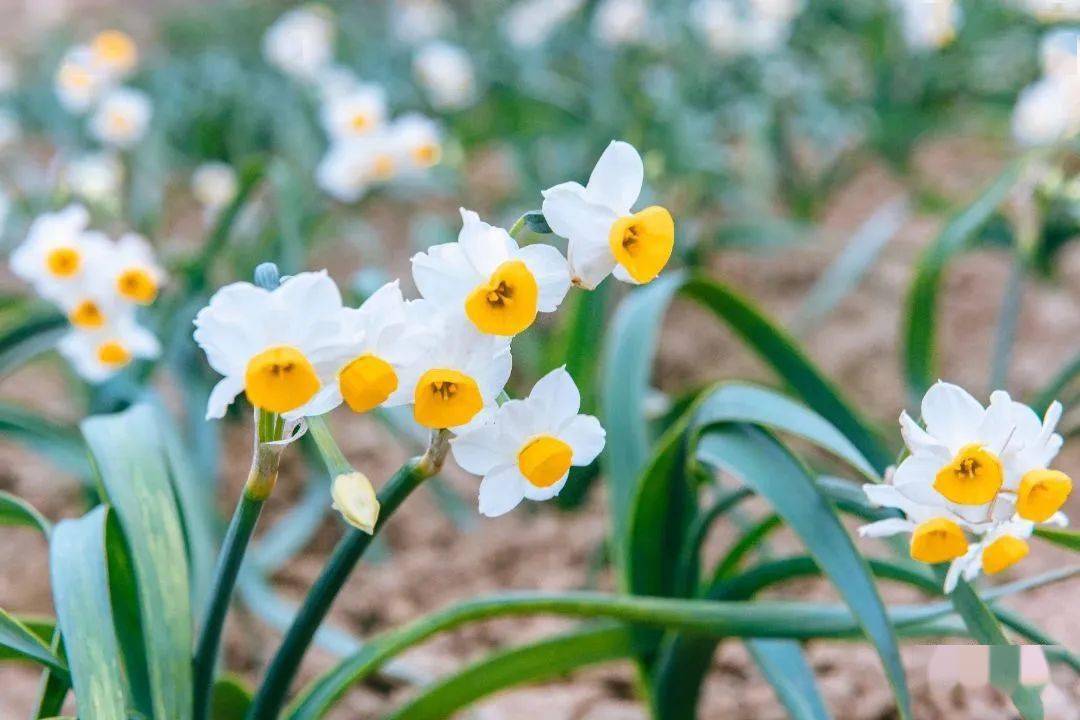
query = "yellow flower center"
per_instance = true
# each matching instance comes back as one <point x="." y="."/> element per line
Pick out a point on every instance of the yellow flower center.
<point x="1041" y="494"/>
<point x="426" y="154"/>
<point x="383" y="167"/>
<point x="360" y="122"/>
<point x="87" y="315"/>
<point x="366" y="382"/>
<point x="120" y="124"/>
<point x="506" y="303"/>
<point x="137" y="285"/>
<point x="938" y="540"/>
<point x="280" y="379"/>
<point x="113" y="354"/>
<point x="972" y="478"/>
<point x="1004" y="552"/>
<point x="544" y="460"/>
<point x="446" y="398"/>
<point x="115" y="49"/>
<point x="74" y="77"/>
<point x="642" y="242"/>
<point x="63" y="261"/>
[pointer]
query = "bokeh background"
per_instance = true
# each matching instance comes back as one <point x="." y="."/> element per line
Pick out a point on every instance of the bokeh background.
<point x="782" y="134"/>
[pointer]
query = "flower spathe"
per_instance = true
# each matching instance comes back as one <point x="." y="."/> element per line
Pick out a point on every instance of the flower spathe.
<point x="605" y="236"/>
<point x="973" y="470"/>
<point x="486" y="276"/>
<point x="279" y="346"/>
<point x="525" y="448"/>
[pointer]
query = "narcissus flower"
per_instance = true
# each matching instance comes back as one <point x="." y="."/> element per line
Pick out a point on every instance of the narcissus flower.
<point x="122" y="117"/>
<point x="463" y="372"/>
<point x="976" y="470"/>
<point x="378" y="341"/>
<point x="525" y="448"/>
<point x="417" y="141"/>
<point x="98" y="353"/>
<point x="499" y="286"/>
<point x="350" y="168"/>
<point x="278" y="346"/>
<point x="446" y="73"/>
<point x="79" y="80"/>
<point x="214" y="185"/>
<point x="95" y="177"/>
<point x="604" y="235"/>
<point x="115" y="52"/>
<point x="58" y="251"/>
<point x="133" y="271"/>
<point x="359" y="111"/>
<point x="301" y="42"/>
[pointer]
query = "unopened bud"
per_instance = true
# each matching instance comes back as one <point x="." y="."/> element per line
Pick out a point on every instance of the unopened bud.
<point x="354" y="498"/>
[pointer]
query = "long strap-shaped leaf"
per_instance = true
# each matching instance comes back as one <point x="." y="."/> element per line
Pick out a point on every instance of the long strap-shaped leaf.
<point x="783" y="665"/>
<point x="17" y="641"/>
<point x="35" y="335"/>
<point x="59" y="443"/>
<point x="920" y="315"/>
<point x="14" y="511"/>
<point x="80" y="584"/>
<point x="766" y="466"/>
<point x="531" y="663"/>
<point x="128" y="452"/>
<point x="628" y="358"/>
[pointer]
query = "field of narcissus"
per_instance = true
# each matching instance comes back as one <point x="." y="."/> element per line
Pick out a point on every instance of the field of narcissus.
<point x="577" y="359"/>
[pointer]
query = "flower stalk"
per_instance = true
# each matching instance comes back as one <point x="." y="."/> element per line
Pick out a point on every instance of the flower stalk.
<point x="279" y="675"/>
<point x="260" y="483"/>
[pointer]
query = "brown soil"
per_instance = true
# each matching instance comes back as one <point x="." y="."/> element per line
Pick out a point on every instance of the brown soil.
<point x="433" y="563"/>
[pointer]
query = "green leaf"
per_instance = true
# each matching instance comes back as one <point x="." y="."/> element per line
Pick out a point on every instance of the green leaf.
<point x="795" y="620"/>
<point x="14" y="511"/>
<point x="36" y="334"/>
<point x="19" y="642"/>
<point x="54" y="685"/>
<point x="1054" y="388"/>
<point x="783" y="665"/>
<point x="920" y="314"/>
<point x="766" y="466"/>
<point x="628" y="356"/>
<point x="80" y="583"/>
<point x="1059" y="536"/>
<point x="231" y="698"/>
<point x="531" y="663"/>
<point x="59" y="443"/>
<point x="127" y="450"/>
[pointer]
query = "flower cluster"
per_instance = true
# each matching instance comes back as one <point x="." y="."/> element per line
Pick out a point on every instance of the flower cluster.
<point x="1048" y="110"/>
<point x="98" y="283"/>
<point x="366" y="147"/>
<point x="88" y="80"/>
<point x="973" y="472"/>
<point x="298" y="351"/>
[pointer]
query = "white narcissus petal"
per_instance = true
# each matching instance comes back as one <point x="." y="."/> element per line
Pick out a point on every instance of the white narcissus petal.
<point x="552" y="274"/>
<point x="557" y="396"/>
<point x="501" y="491"/>
<point x="586" y="226"/>
<point x="493" y="375"/>
<point x="886" y="528"/>
<point x="480" y="451"/>
<point x="623" y="275"/>
<point x="951" y="414"/>
<point x="229" y="326"/>
<point x="998" y="429"/>
<point x="918" y="441"/>
<point x="616" y="180"/>
<point x="485" y="246"/>
<point x="223" y="394"/>
<point x="539" y="494"/>
<point x="443" y="275"/>
<point x="586" y="438"/>
<point x="561" y="207"/>
<point x="914" y="478"/>
<point x="328" y="398"/>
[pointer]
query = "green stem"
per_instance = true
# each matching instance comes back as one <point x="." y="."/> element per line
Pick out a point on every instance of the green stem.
<point x="279" y="674"/>
<point x="260" y="483"/>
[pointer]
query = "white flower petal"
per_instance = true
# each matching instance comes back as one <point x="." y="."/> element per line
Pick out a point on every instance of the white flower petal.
<point x="223" y="394"/>
<point x="501" y="491"/>
<point x="540" y="494"/>
<point x="480" y="450"/>
<point x="586" y="438"/>
<point x="951" y="415"/>
<point x="444" y="276"/>
<point x="586" y="226"/>
<point x="914" y="478"/>
<point x="886" y="528"/>
<point x="552" y="274"/>
<point x="485" y="246"/>
<point x="918" y="441"/>
<point x="616" y="180"/>
<point x="557" y="396"/>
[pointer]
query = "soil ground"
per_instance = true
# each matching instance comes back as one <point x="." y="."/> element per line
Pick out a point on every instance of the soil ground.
<point x="433" y="563"/>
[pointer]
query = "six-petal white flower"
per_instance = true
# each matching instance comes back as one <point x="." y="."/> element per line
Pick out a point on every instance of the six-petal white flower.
<point x="525" y="448"/>
<point x="604" y="235"/>
<point x="487" y="277"/>
<point x="122" y="117"/>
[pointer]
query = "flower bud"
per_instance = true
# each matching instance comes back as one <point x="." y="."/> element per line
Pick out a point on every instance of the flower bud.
<point x="354" y="498"/>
